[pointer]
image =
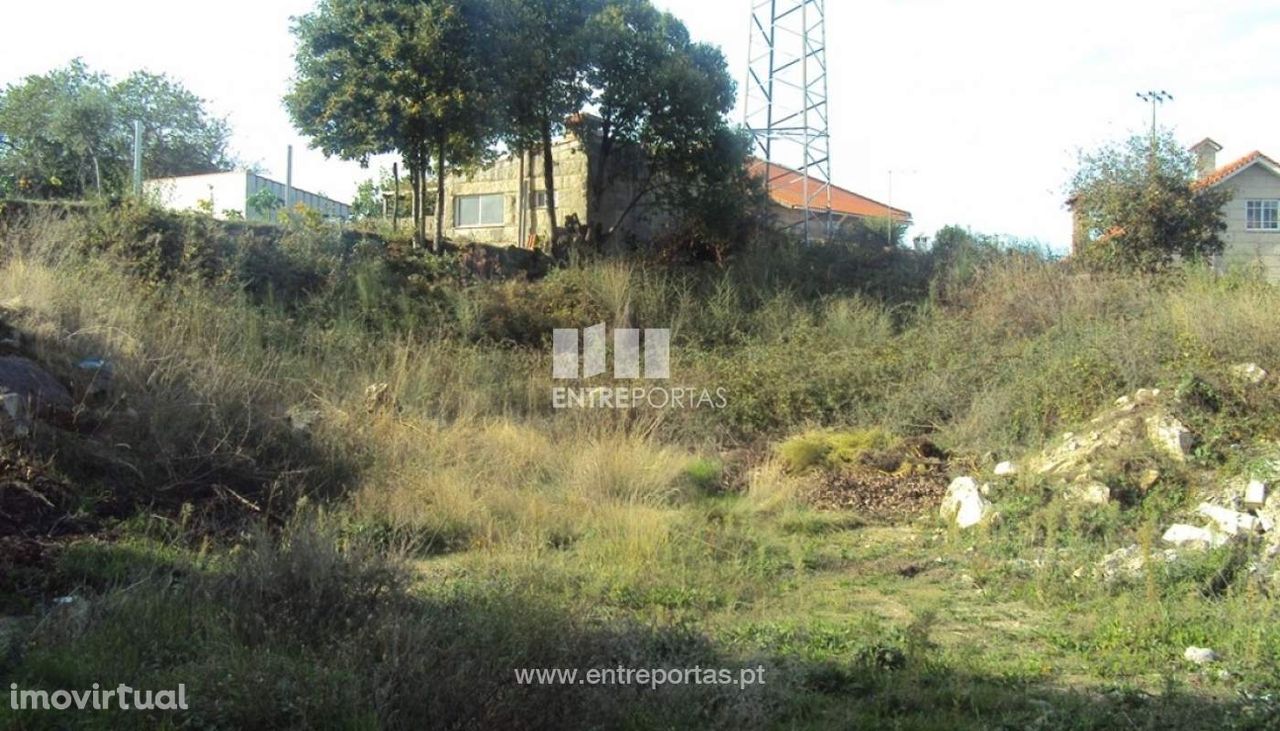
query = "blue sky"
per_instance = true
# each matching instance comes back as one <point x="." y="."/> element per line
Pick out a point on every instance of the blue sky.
<point x="979" y="106"/>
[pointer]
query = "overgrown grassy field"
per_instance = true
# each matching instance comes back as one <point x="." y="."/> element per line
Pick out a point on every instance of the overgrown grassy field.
<point x="237" y="515"/>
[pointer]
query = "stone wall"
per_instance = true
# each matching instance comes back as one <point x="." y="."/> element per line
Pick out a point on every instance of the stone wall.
<point x="516" y="181"/>
<point x="504" y="177"/>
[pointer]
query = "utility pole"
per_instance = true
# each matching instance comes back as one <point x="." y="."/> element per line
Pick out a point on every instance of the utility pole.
<point x="137" y="158"/>
<point x="1155" y="99"/>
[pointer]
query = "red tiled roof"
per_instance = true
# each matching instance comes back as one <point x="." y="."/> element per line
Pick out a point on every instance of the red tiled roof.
<point x="786" y="187"/>
<point x="1226" y="171"/>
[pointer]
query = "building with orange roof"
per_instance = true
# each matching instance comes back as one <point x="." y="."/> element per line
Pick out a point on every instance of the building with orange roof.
<point x="787" y="192"/>
<point x="1252" y="215"/>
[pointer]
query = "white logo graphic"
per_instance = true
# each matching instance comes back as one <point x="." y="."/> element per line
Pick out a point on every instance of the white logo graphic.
<point x="626" y="353"/>
<point x="637" y="355"/>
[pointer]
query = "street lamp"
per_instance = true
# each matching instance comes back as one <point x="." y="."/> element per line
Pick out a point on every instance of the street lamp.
<point x="1155" y="99"/>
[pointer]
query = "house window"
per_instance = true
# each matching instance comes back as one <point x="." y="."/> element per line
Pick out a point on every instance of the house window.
<point x="1262" y="215"/>
<point x="478" y="210"/>
<point x="540" y="199"/>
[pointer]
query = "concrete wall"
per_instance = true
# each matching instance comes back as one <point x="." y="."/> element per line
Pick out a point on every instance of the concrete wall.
<point x="226" y="191"/>
<point x="325" y="206"/>
<point x="230" y="192"/>
<point x="1244" y="247"/>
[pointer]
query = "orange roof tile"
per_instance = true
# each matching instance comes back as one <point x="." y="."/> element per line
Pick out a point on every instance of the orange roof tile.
<point x="1226" y="171"/>
<point x="786" y="187"/>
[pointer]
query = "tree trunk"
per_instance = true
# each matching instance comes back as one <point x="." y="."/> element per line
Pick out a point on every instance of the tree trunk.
<point x="415" y="182"/>
<point x="598" y="183"/>
<point x="440" y="155"/>
<point x="549" y="176"/>
<point x="533" y="203"/>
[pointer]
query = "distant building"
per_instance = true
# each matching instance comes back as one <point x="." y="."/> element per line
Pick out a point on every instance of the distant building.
<point x="787" y="193"/>
<point x="237" y="191"/>
<point x="505" y="202"/>
<point x="1252" y="214"/>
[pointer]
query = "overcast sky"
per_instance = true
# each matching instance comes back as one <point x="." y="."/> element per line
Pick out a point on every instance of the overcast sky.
<point x="978" y="106"/>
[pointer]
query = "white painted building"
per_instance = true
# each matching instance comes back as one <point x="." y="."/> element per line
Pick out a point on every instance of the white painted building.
<point x="1253" y="213"/>
<point x="236" y="191"/>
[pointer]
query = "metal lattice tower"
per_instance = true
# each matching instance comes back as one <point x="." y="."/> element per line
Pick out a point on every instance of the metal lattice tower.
<point x="786" y="103"/>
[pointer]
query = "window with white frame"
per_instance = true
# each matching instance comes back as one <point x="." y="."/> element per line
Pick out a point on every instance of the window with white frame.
<point x="1262" y="215"/>
<point x="478" y="210"/>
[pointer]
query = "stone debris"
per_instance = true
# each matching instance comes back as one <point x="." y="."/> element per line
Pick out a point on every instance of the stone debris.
<point x="43" y="393"/>
<point x="1255" y="494"/>
<point x="1129" y="562"/>
<point x="1199" y="655"/>
<point x="964" y="503"/>
<point x="1190" y="536"/>
<point x="1233" y="522"/>
<point x="1088" y="491"/>
<point x="1148" y="479"/>
<point x="1250" y="373"/>
<point x="1169" y="436"/>
<point x="1005" y="468"/>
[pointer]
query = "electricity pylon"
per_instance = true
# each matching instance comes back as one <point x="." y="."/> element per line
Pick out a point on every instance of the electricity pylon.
<point x="786" y="104"/>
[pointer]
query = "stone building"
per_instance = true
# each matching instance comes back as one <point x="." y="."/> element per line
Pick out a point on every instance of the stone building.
<point x="505" y="202"/>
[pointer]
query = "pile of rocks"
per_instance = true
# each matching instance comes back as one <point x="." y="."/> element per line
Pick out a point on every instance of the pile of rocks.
<point x="1134" y="423"/>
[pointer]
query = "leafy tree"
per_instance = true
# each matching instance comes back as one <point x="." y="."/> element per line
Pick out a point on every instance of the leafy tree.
<point x="1140" y="208"/>
<point x="54" y="128"/>
<point x="664" y="96"/>
<point x="179" y="137"/>
<point x="368" y="200"/>
<point x="543" y="59"/>
<point x="69" y="132"/>
<point x="406" y="76"/>
<point x="264" y="203"/>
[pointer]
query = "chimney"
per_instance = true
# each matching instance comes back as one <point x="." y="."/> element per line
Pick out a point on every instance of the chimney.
<point x="1206" y="152"/>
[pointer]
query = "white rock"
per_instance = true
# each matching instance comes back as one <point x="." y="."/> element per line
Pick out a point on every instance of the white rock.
<point x="1199" y="655"/>
<point x="1129" y="562"/>
<point x="1255" y="494"/>
<point x="1169" y="436"/>
<point x="1088" y="491"/>
<point x="1143" y="395"/>
<point x="964" y="503"/>
<point x="1005" y="468"/>
<point x="1181" y="534"/>
<point x="1233" y="522"/>
<point x="1250" y="373"/>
